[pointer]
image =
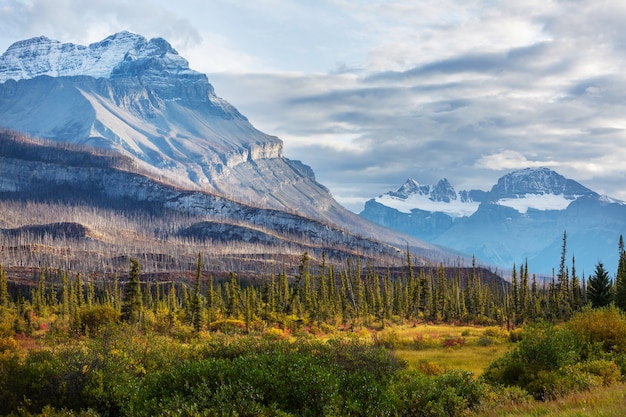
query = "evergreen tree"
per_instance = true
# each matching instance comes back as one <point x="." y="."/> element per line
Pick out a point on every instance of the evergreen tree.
<point x="577" y="293"/>
<point x="132" y="303"/>
<point x="620" y="280"/>
<point x="196" y="302"/>
<point x="233" y="297"/>
<point x="65" y="295"/>
<point x="525" y="306"/>
<point x="599" y="287"/>
<point x="4" y="288"/>
<point x="563" y="287"/>
<point x="515" y="307"/>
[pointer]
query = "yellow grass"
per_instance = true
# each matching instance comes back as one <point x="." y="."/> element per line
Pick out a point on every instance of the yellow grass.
<point x="425" y="343"/>
<point x="469" y="358"/>
<point x="604" y="402"/>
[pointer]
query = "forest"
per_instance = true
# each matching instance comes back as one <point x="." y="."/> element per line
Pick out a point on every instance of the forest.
<point x="325" y="340"/>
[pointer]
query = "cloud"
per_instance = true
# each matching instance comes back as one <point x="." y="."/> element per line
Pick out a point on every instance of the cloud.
<point x="371" y="93"/>
<point x="510" y="160"/>
<point x="83" y="22"/>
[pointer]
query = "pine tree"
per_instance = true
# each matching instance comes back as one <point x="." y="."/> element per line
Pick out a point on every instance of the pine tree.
<point x="599" y="287"/>
<point x="196" y="302"/>
<point x="620" y="280"/>
<point x="4" y="288"/>
<point x="563" y="286"/>
<point x="65" y="296"/>
<point x="132" y="303"/>
<point x="525" y="309"/>
<point x="515" y="296"/>
<point x="577" y="293"/>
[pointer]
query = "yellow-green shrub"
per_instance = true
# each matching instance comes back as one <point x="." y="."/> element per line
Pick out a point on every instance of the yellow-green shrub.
<point x="606" y="326"/>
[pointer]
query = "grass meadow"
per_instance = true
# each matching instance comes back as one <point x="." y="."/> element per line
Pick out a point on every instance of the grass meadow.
<point x="436" y="348"/>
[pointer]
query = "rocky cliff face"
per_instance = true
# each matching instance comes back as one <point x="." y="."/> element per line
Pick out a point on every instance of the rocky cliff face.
<point x="140" y="98"/>
<point x="187" y="149"/>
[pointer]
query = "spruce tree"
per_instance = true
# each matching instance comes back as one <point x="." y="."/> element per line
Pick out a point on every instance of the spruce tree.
<point x="132" y="303"/>
<point x="65" y="295"/>
<point x="196" y="302"/>
<point x="620" y="280"/>
<point x="577" y="293"/>
<point x="4" y="288"/>
<point x="599" y="287"/>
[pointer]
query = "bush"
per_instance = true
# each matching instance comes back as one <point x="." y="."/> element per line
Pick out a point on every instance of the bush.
<point x="606" y="326"/>
<point x="534" y="363"/>
<point x="498" y="395"/>
<point x="516" y="335"/>
<point x="95" y="318"/>
<point x="388" y="339"/>
<point x="608" y="371"/>
<point x="496" y="332"/>
<point x="429" y="368"/>
<point x="484" y="341"/>
<point x="446" y="395"/>
<point x="228" y="326"/>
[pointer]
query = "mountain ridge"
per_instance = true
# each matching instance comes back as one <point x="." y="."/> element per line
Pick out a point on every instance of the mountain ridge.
<point x="173" y="147"/>
<point x="522" y="217"/>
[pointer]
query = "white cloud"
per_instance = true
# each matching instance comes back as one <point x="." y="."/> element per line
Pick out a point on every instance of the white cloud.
<point x="510" y="160"/>
<point x="370" y="93"/>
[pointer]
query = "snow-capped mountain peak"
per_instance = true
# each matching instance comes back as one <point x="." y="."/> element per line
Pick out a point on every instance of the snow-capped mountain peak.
<point x="410" y="187"/>
<point x="443" y="191"/>
<point x="134" y="96"/>
<point x="521" y="219"/>
<point x="37" y="56"/>
<point x="536" y="181"/>
<point x="538" y="189"/>
<point x="440" y="197"/>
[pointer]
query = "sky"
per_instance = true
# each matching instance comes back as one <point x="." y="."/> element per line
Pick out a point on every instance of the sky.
<point x="372" y="92"/>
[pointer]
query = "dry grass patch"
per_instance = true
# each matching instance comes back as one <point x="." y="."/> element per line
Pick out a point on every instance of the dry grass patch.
<point x="604" y="402"/>
<point x="469" y="358"/>
<point x="445" y="346"/>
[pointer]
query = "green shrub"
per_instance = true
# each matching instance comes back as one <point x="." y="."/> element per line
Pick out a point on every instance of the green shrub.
<point x="95" y="318"/>
<point x="608" y="371"/>
<point x="446" y="395"/>
<point x="484" y="341"/>
<point x="247" y="385"/>
<point x="606" y="326"/>
<point x="516" y="335"/>
<point x="534" y="363"/>
<point x="498" y="395"/>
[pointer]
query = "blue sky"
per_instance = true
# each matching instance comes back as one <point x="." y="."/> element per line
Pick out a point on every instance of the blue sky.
<point x="370" y="92"/>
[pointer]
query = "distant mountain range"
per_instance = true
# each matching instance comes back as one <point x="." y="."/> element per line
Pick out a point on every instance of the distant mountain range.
<point x="523" y="217"/>
<point x="130" y="129"/>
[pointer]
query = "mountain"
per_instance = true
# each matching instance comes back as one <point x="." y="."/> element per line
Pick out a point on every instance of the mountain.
<point x="125" y="131"/>
<point x="523" y="217"/>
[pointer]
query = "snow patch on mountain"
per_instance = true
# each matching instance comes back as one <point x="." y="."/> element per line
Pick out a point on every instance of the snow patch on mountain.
<point x="611" y="200"/>
<point x="455" y="208"/>
<point x="440" y="197"/>
<point x="537" y="202"/>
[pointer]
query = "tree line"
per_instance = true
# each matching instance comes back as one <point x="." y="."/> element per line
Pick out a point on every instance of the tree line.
<point x="318" y="294"/>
